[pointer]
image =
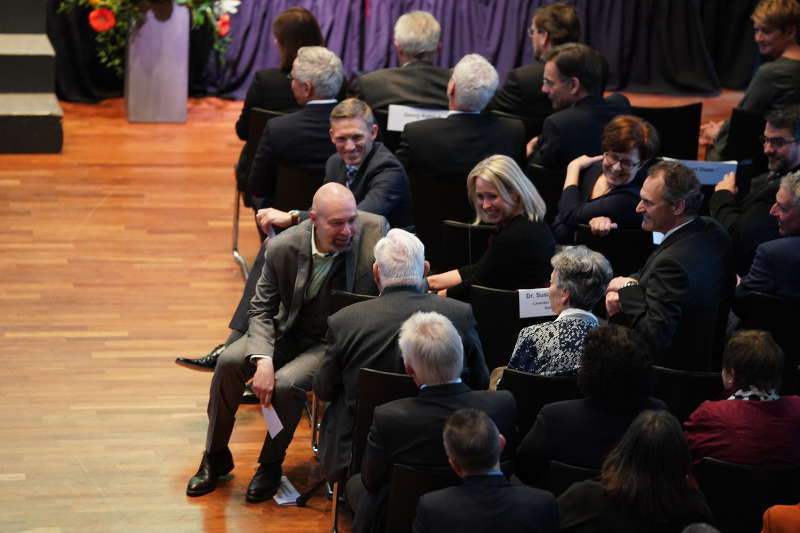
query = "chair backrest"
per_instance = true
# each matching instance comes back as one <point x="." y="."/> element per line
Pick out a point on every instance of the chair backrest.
<point x="533" y="391"/>
<point x="295" y="187"/>
<point x="406" y="487"/>
<point x="374" y="388"/>
<point x="341" y="299"/>
<point x="626" y="249"/>
<point x="780" y="317"/>
<point x="391" y="139"/>
<point x="742" y="143"/>
<point x="559" y="476"/>
<point x="463" y="243"/>
<point x="497" y="315"/>
<point x="255" y="127"/>
<point x="437" y="198"/>
<point x="533" y="125"/>
<point x="684" y="390"/>
<point x="739" y="494"/>
<point x="677" y="128"/>
<point x="549" y="183"/>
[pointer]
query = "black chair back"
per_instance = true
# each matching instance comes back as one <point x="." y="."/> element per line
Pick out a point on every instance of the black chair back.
<point x="533" y="391"/>
<point x="295" y="187"/>
<point x="497" y="314"/>
<point x="463" y="243"/>
<point x="533" y="126"/>
<point x="626" y="249"/>
<point x="406" y="487"/>
<point x="742" y="143"/>
<point x="374" y="388"/>
<point x="549" y="183"/>
<point x="341" y="299"/>
<point x="739" y="494"/>
<point x="255" y="128"/>
<point x="780" y="317"/>
<point x="391" y="139"/>
<point x="684" y="390"/>
<point x="677" y="128"/>
<point x="560" y="476"/>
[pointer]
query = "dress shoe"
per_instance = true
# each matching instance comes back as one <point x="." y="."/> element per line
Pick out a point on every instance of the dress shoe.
<point x="211" y="469"/>
<point x="265" y="482"/>
<point x="248" y="396"/>
<point x="204" y="364"/>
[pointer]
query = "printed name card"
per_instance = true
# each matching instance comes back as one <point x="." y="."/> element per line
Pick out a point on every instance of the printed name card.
<point x="709" y="172"/>
<point x="534" y="302"/>
<point x="400" y="115"/>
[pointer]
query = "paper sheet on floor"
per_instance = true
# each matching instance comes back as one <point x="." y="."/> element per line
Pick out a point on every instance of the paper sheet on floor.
<point x="287" y="494"/>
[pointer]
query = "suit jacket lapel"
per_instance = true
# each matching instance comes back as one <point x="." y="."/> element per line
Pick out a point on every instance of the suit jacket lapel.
<point x="669" y="241"/>
<point x="351" y="261"/>
<point x="303" y="269"/>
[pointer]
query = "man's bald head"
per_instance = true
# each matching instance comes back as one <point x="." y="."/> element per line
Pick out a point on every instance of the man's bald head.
<point x="333" y="213"/>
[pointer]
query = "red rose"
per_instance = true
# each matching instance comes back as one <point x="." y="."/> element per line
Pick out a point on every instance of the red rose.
<point x="102" y="19"/>
<point x="224" y="25"/>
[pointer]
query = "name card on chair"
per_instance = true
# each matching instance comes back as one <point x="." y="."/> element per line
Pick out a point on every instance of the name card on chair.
<point x="534" y="302"/>
<point x="708" y="172"/>
<point x="400" y="115"/>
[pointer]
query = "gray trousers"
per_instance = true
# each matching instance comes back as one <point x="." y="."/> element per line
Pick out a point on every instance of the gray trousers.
<point x="295" y="362"/>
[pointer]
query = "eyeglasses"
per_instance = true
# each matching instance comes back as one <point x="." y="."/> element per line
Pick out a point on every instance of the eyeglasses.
<point x="531" y="32"/>
<point x="626" y="164"/>
<point x="289" y="76"/>
<point x="776" y="142"/>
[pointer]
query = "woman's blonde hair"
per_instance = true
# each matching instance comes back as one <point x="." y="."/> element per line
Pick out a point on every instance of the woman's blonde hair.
<point x="509" y="180"/>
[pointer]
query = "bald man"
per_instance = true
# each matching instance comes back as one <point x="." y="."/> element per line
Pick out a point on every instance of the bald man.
<point x="285" y="339"/>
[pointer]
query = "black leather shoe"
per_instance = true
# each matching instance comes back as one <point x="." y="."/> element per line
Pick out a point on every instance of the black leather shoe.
<point x="211" y="469"/>
<point x="248" y="396"/>
<point x="204" y="364"/>
<point x="265" y="482"/>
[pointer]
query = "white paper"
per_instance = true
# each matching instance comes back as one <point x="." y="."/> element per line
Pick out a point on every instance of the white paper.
<point x="534" y="302"/>
<point x="274" y="425"/>
<point x="400" y="115"/>
<point x="708" y="172"/>
<point x="287" y="494"/>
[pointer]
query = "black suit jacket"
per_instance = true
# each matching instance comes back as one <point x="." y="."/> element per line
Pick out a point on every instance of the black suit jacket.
<point x="299" y="139"/>
<point x="364" y="335"/>
<point x="684" y="294"/>
<point x="417" y="83"/>
<point x="522" y="94"/>
<point x="487" y="504"/>
<point x="452" y="146"/>
<point x="575" y="131"/>
<point x="271" y="89"/>
<point x="575" y="432"/>
<point x="409" y="431"/>
<point x="380" y="185"/>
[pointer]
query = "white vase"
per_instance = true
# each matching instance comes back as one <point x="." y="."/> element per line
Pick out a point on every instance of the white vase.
<point x="157" y="66"/>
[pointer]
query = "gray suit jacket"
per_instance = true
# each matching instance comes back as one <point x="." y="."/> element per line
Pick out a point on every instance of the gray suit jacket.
<point x="287" y="262"/>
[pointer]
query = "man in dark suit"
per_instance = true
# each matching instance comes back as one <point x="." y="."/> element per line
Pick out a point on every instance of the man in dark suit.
<point x="285" y="339"/>
<point x="522" y="95"/>
<point x="364" y="335"/>
<point x="409" y="431"/>
<point x="679" y="300"/>
<point x="452" y="146"/>
<point x="747" y="219"/>
<point x="486" y="501"/>
<point x="574" y="80"/>
<point x="416" y="82"/>
<point x="776" y="267"/>
<point x="299" y="139"/>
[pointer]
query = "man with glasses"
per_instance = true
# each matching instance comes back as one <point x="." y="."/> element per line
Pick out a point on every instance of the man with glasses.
<point x="574" y="80"/>
<point x="522" y="95"/>
<point x="748" y="219"/>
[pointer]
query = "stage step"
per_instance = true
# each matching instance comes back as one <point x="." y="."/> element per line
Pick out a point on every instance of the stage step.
<point x="30" y="123"/>
<point x="27" y="63"/>
<point x="27" y="16"/>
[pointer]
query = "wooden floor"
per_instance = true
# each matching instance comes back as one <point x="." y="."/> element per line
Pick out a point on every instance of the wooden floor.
<point x="114" y="260"/>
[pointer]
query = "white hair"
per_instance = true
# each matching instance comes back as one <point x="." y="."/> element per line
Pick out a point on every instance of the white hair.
<point x="791" y="182"/>
<point x="400" y="257"/>
<point x="431" y="346"/>
<point x="476" y="81"/>
<point x="321" y="68"/>
<point x="417" y="33"/>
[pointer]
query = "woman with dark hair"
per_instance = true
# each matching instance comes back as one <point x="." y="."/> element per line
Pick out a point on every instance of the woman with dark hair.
<point x="754" y="425"/>
<point x="643" y="487"/>
<point x="602" y="191"/>
<point x="616" y="378"/>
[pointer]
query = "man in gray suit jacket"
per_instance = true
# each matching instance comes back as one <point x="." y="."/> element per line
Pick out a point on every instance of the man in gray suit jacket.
<point x="364" y="335"/>
<point x="285" y="339"/>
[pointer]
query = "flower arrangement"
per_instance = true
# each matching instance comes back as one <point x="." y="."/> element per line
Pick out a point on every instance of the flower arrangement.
<point x="113" y="20"/>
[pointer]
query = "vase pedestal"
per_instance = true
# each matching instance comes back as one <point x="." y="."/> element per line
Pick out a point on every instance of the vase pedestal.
<point x="157" y="66"/>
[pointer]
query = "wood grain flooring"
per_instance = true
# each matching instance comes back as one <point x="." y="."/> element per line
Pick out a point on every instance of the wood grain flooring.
<point x="114" y="260"/>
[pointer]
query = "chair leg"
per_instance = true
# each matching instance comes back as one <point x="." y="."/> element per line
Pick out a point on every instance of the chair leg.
<point x="315" y="424"/>
<point x="236" y="256"/>
<point x="335" y="507"/>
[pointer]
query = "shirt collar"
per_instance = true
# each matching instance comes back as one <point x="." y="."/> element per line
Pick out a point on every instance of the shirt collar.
<point x="314" y="250"/>
<point x="457" y="112"/>
<point x="328" y="101"/>
<point x="574" y="311"/>
<point x="457" y="380"/>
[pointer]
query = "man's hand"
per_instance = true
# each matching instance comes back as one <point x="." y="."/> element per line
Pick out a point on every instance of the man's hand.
<point x="265" y="218"/>
<point x="601" y="226"/>
<point x="727" y="183"/>
<point x="709" y="132"/>
<point x="264" y="380"/>
<point x="531" y="146"/>
<point x="613" y="306"/>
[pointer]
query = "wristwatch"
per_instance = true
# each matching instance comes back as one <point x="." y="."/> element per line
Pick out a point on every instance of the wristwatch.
<point x="295" y="214"/>
<point x="631" y="283"/>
